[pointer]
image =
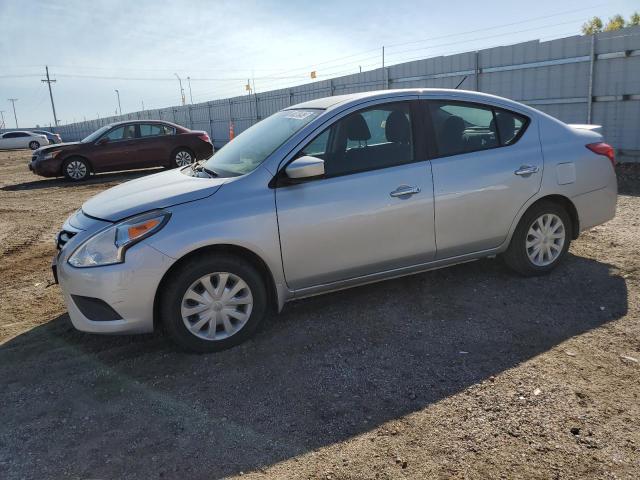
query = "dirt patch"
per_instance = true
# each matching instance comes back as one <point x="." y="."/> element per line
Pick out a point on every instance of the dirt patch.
<point x="465" y="372"/>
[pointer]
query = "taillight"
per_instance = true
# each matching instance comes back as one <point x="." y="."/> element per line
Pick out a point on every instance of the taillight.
<point x="605" y="149"/>
<point x="205" y="137"/>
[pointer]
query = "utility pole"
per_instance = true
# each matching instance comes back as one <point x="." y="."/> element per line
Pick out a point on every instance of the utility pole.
<point x="181" y="89"/>
<point x="143" y="105"/>
<point x="383" y="57"/>
<point x="118" y="95"/>
<point x="48" y="81"/>
<point x="13" y="101"/>
<point x="190" y="96"/>
<point x="2" y="115"/>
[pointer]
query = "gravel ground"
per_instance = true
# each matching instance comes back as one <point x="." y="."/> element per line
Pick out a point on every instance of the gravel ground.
<point x="465" y="372"/>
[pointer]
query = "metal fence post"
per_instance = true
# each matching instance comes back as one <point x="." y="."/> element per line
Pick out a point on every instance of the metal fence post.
<point x="592" y="62"/>
<point x="190" y="117"/>
<point x="255" y="101"/>
<point x="210" y="122"/>
<point x="477" y="75"/>
<point x="230" y="120"/>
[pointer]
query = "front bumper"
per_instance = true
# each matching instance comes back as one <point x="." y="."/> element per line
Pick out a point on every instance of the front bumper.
<point x="128" y="288"/>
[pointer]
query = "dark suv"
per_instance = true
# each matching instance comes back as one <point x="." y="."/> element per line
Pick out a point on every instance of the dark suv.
<point x="123" y="146"/>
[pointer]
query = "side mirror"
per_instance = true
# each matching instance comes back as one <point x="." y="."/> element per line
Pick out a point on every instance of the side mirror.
<point x="305" y="167"/>
<point x="102" y="141"/>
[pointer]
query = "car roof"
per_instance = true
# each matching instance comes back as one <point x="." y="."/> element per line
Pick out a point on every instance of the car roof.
<point x="161" y="122"/>
<point x="339" y="101"/>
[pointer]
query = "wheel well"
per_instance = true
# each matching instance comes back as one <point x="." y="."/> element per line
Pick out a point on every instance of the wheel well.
<point x="241" y="252"/>
<point x="570" y="208"/>
<point x="71" y="157"/>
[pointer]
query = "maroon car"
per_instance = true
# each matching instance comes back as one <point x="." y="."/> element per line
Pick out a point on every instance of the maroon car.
<point x="123" y="146"/>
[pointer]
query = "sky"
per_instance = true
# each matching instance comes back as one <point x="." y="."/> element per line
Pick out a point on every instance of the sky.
<point x="94" y="47"/>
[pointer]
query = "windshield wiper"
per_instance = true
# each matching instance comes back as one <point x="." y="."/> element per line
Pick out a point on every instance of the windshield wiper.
<point x="198" y="167"/>
<point x="209" y="172"/>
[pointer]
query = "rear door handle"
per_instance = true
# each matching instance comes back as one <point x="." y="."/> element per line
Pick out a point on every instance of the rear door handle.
<point x="405" y="191"/>
<point x="526" y="170"/>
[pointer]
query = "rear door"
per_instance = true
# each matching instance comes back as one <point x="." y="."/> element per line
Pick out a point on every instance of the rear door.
<point x="152" y="146"/>
<point x="119" y="152"/>
<point x="373" y="209"/>
<point x="487" y="164"/>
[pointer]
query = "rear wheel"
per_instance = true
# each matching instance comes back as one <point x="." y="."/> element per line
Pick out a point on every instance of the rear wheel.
<point x="182" y="157"/>
<point x="541" y="240"/>
<point x="34" y="145"/>
<point x="76" y="169"/>
<point x="213" y="303"/>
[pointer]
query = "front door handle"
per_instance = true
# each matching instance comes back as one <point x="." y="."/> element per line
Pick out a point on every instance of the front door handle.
<point x="526" y="170"/>
<point x="405" y="191"/>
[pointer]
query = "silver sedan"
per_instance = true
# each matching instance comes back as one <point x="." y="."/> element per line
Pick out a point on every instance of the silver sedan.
<point x="329" y="194"/>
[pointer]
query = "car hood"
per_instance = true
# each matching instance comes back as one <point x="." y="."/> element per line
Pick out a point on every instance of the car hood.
<point x="56" y="146"/>
<point x="160" y="190"/>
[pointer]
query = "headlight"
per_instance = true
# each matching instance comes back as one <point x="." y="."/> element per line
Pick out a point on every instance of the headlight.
<point x="49" y="156"/>
<point x="109" y="245"/>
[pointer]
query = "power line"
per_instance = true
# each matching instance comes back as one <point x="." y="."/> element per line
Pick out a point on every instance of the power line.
<point x="558" y="14"/>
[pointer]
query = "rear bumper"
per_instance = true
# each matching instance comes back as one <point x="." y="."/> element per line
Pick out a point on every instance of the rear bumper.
<point x="596" y="207"/>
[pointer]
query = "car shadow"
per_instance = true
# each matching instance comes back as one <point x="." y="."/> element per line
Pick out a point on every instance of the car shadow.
<point x="93" y="180"/>
<point x="326" y="369"/>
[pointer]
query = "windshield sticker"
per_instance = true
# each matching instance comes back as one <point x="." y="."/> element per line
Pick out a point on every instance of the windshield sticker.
<point x="298" y="114"/>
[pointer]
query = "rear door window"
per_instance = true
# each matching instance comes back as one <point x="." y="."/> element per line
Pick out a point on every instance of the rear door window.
<point x="151" y="130"/>
<point x="462" y="127"/>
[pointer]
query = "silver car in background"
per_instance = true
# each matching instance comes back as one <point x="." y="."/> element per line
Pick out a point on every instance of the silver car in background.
<point x="329" y="194"/>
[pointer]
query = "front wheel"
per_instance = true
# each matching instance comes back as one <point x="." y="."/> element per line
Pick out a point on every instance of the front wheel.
<point x="213" y="303"/>
<point x="541" y="240"/>
<point x="76" y="169"/>
<point x="34" y="145"/>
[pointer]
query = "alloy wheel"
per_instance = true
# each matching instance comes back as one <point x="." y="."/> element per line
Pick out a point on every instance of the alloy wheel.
<point x="216" y="306"/>
<point x="183" y="158"/>
<point x="76" y="169"/>
<point x="545" y="239"/>
<point x="34" y="145"/>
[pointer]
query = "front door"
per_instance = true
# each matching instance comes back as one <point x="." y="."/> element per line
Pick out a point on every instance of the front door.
<point x="119" y="151"/>
<point x="373" y="209"/>
<point x="488" y="163"/>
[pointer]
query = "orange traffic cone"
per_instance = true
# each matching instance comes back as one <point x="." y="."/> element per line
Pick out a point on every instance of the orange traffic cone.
<point x="231" y="133"/>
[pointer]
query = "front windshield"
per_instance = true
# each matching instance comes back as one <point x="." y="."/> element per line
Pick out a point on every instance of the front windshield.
<point x="96" y="134"/>
<point x="254" y="145"/>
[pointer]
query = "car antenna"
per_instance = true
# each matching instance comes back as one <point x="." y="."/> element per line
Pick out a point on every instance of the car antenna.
<point x="461" y="82"/>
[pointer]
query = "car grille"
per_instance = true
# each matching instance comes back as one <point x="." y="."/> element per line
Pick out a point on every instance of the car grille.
<point x="63" y="237"/>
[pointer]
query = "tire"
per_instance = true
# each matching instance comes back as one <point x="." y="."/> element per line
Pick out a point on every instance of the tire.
<point x="521" y="255"/>
<point x="76" y="169"/>
<point x="34" y="145"/>
<point x="179" y="307"/>
<point x="181" y="157"/>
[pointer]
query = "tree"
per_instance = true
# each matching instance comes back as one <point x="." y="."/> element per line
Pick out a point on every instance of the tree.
<point x="592" y="27"/>
<point x="634" y="20"/>
<point x="615" y="23"/>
